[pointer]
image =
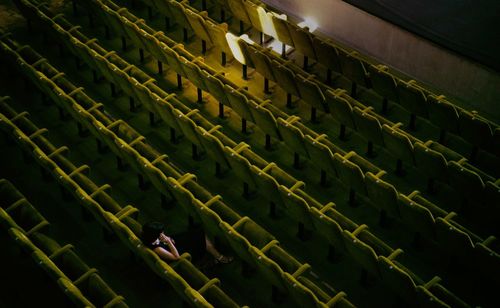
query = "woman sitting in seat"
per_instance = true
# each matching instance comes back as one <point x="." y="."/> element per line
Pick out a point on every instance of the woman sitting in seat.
<point x="194" y="241"/>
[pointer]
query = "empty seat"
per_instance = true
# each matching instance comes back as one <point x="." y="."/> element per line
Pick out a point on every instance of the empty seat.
<point x="360" y="251"/>
<point x="197" y="23"/>
<point x="350" y="174"/>
<point x="239" y="103"/>
<point x="383" y="195"/>
<point x="213" y="146"/>
<point x="281" y="27"/>
<point x="452" y="239"/>
<point x="240" y="165"/>
<point x="417" y="217"/>
<point x="443" y="114"/>
<point x="285" y="78"/>
<point x="341" y="110"/>
<point x="398" y="280"/>
<point x="353" y="68"/>
<point x="383" y="82"/>
<point x="328" y="226"/>
<point x="292" y="135"/>
<point x="327" y="54"/>
<point x="431" y="162"/>
<point x="264" y="119"/>
<point x="466" y="182"/>
<point x="302" y="40"/>
<point x="398" y="144"/>
<point x="413" y="99"/>
<point x="475" y="129"/>
<point x="368" y="125"/>
<point x="320" y="154"/>
<point x="267" y="185"/>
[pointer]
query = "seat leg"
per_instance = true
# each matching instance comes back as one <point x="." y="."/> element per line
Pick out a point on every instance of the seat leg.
<point x="62" y="114"/>
<point x="222" y="15"/>
<point x="113" y="89"/>
<point x="329" y="76"/>
<point x="203" y="47"/>
<point x="243" y="126"/>
<point x="289" y="101"/>
<point x="184" y="34"/>
<point x="413" y="121"/>
<point x="352" y="198"/>
<point x="431" y="186"/>
<point x="124" y="43"/>
<point x="296" y="160"/>
<point x="399" y="168"/>
<point x="342" y="134"/>
<point x="152" y="119"/>
<point x="383" y="219"/>
<point x="179" y="82"/>
<point x="283" y="50"/>
<point x="95" y="78"/>
<point x="173" y="138"/>
<point x="302" y="233"/>
<point x="194" y="152"/>
<point x="142" y="182"/>
<point x="246" y="190"/>
<point x="119" y="163"/>
<point x="221" y="110"/>
<point x="242" y="27"/>
<point x="75" y="9"/>
<point x="354" y="88"/>
<point x="268" y="142"/>
<point x="131" y="103"/>
<point x="160" y="67"/>
<point x="266" y="86"/>
<point x="101" y="149"/>
<point x="245" y="72"/>
<point x="218" y="170"/>
<point x="323" y="180"/>
<point x="200" y="95"/>
<point x="385" y="104"/>
<point x="272" y="210"/>
<point x="314" y="117"/>
<point x="141" y="55"/>
<point x="223" y="58"/>
<point x="305" y="63"/>
<point x="442" y="136"/>
<point x="370" y="152"/>
<point x="82" y="132"/>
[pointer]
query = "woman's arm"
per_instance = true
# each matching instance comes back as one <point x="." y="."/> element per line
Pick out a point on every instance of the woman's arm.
<point x="171" y="254"/>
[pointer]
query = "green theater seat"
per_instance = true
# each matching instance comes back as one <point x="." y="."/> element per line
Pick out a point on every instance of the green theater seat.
<point x="73" y="293"/>
<point x="22" y="240"/>
<point x="320" y="154"/>
<point x="197" y="23"/>
<point x="328" y="226"/>
<point x="292" y="135"/>
<point x="475" y="129"/>
<point x="384" y="83"/>
<point x="467" y="182"/>
<point x="341" y="110"/>
<point x="239" y="103"/>
<point x="354" y="69"/>
<point x="240" y="165"/>
<point x="398" y="280"/>
<point x="431" y="162"/>
<point x="453" y="239"/>
<point x="213" y="146"/>
<point x="311" y="93"/>
<point x="413" y="99"/>
<point x="417" y="217"/>
<point x="178" y="14"/>
<point x="382" y="194"/>
<point x="239" y="11"/>
<point x="361" y="252"/>
<point x="443" y="114"/>
<point x="183" y="196"/>
<point x="281" y="27"/>
<point x="285" y="78"/>
<point x="265" y="119"/>
<point x="267" y="185"/>
<point x="302" y="40"/>
<point x="368" y="126"/>
<point x="398" y="143"/>
<point x="327" y="54"/>
<point x="350" y="174"/>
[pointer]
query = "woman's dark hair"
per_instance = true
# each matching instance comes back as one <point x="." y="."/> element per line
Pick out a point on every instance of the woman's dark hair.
<point x="151" y="231"/>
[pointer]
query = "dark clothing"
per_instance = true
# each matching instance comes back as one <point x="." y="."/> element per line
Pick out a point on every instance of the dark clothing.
<point x="191" y="241"/>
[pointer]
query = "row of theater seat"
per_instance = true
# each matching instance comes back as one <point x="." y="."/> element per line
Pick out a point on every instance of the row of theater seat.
<point x="452" y="169"/>
<point x="355" y="179"/>
<point x="188" y="281"/>
<point x="82" y="284"/>
<point x="415" y="98"/>
<point x="340" y="105"/>
<point x="331" y="210"/>
<point x="277" y="258"/>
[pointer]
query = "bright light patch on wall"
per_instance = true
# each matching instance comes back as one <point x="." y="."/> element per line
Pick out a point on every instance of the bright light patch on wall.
<point x="232" y="41"/>
<point x="310" y="23"/>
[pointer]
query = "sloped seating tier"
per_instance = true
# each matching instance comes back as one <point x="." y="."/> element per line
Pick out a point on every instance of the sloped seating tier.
<point x="418" y="100"/>
<point x="82" y="284"/>
<point x="110" y="214"/>
<point x="302" y="193"/>
<point x="333" y="101"/>
<point x="131" y="147"/>
<point x="414" y="97"/>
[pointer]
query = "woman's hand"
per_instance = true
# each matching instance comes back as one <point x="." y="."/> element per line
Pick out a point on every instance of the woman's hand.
<point x="166" y="239"/>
